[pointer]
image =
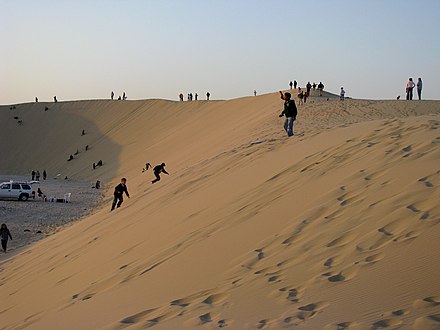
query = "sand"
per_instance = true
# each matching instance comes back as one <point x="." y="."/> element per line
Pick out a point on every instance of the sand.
<point x="335" y="228"/>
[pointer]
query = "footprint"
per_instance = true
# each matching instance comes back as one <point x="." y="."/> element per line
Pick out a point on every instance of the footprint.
<point x="407" y="149"/>
<point x="262" y="324"/>
<point x="385" y="232"/>
<point x="205" y="318"/>
<point x="427" y="302"/>
<point x="386" y="323"/>
<point x="413" y="208"/>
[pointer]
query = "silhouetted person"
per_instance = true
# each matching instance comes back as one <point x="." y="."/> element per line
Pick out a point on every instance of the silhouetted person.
<point x="5" y="234"/>
<point x="55" y="99"/>
<point x="308" y="87"/>
<point x="300" y="96"/>
<point x="147" y="166"/>
<point x="39" y="192"/>
<point x="196" y="96"/>
<point x="37" y="175"/>
<point x="70" y="158"/>
<point x="83" y="132"/>
<point x="36" y="99"/>
<point x="94" y="165"/>
<point x="208" y="94"/>
<point x="124" y="97"/>
<point x="409" y="89"/>
<point x="291" y="84"/>
<point x="120" y="189"/>
<point x="255" y="93"/>
<point x="99" y="163"/>
<point x="33" y="175"/>
<point x="320" y="88"/>
<point x="181" y="97"/>
<point x="112" y="95"/>
<point x="157" y="170"/>
<point x="98" y="184"/>
<point x="119" y="98"/>
<point x="289" y="111"/>
<point x="44" y="175"/>
<point x="87" y="147"/>
<point x="419" y="88"/>
<point x="295" y="83"/>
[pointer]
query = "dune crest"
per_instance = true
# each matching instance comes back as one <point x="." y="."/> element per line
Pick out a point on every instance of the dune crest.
<point x="335" y="229"/>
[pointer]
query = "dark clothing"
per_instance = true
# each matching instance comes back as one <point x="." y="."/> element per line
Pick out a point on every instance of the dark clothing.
<point x="289" y="109"/>
<point x="157" y="170"/>
<point x="409" y="93"/>
<point x="5" y="235"/>
<point x="118" y="195"/>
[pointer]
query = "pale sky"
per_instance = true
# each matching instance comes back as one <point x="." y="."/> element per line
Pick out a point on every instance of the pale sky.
<point x="84" y="49"/>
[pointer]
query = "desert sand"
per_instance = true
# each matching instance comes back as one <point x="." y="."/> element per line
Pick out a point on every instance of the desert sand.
<point x="335" y="228"/>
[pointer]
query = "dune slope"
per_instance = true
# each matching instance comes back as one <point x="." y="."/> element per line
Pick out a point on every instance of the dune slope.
<point x="335" y="228"/>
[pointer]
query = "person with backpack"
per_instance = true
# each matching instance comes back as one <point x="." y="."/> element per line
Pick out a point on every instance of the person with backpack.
<point x="120" y="189"/>
<point x="157" y="170"/>
<point x="290" y="112"/>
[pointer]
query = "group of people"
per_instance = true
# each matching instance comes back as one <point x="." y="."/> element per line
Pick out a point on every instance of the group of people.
<point x="410" y="87"/>
<point x="194" y="97"/>
<point x="121" y="188"/>
<point x="112" y="96"/>
<point x="35" y="175"/>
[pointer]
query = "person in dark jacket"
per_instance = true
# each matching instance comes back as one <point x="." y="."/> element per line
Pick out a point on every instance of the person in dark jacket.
<point x="119" y="192"/>
<point x="289" y="111"/>
<point x="4" y="235"/>
<point x="157" y="170"/>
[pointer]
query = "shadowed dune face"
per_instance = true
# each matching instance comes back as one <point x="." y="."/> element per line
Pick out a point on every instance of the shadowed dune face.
<point x="335" y="229"/>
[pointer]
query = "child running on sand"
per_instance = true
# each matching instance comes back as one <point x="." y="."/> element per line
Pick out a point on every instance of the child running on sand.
<point x="119" y="192"/>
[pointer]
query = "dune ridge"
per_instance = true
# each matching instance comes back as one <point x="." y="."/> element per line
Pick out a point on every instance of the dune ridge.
<point x="336" y="228"/>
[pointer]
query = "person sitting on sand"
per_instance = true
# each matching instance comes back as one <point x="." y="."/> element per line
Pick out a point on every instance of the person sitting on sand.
<point x="40" y="193"/>
<point x="289" y="111"/>
<point x="157" y="170"/>
<point x="4" y="235"/>
<point x="119" y="192"/>
<point x="99" y="163"/>
<point x="70" y="158"/>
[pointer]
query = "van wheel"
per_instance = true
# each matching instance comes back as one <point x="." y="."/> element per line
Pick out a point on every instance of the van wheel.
<point x="23" y="197"/>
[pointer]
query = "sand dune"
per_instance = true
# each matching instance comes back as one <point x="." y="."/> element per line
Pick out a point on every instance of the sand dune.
<point x="333" y="229"/>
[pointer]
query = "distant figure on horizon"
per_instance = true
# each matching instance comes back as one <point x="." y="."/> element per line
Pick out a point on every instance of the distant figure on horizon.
<point x="124" y="97"/>
<point x="120" y="189"/>
<point x="36" y="99"/>
<point x="119" y="98"/>
<point x="112" y="95"/>
<point x="398" y="97"/>
<point x="291" y="84"/>
<point x="157" y="170"/>
<point x="306" y="95"/>
<point x="55" y="99"/>
<point x="295" y="84"/>
<point x="419" y="88"/>
<point x="409" y="89"/>
<point x="5" y="234"/>
<point x="196" y="96"/>
<point x="37" y="175"/>
<point x="300" y="96"/>
<point x="314" y="86"/>
<point x="181" y="97"/>
<point x="320" y="88"/>
<point x="33" y="175"/>
<point x="208" y="94"/>
<point x="44" y="175"/>
<point x="342" y="94"/>
<point x="308" y="87"/>
<point x="290" y="111"/>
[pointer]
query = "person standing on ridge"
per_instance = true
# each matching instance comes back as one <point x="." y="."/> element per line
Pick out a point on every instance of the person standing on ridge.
<point x="291" y="84"/>
<point x="409" y="89"/>
<point x="5" y="234"/>
<point x="419" y="88"/>
<point x="342" y="94"/>
<point x="290" y="112"/>
<point x="120" y="189"/>
<point x="157" y="170"/>
<point x="112" y="95"/>
<point x="295" y="83"/>
<point x="208" y="94"/>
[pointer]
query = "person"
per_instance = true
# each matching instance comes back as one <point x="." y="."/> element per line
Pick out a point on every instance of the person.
<point x="147" y="166"/>
<point x="87" y="147"/>
<point x="157" y="170"/>
<point x="33" y="175"/>
<point x="320" y="88"/>
<point x="83" y="133"/>
<point x="37" y="175"/>
<point x="208" y="94"/>
<point x="36" y="99"/>
<point x="94" y="166"/>
<point x="295" y="83"/>
<point x="181" y="97"/>
<point x="120" y="189"/>
<point x="44" y="175"/>
<point x="99" y="163"/>
<point x="124" y="97"/>
<point x="300" y="96"/>
<point x="196" y="96"/>
<point x="291" y="84"/>
<point x="308" y="87"/>
<point x="409" y="89"/>
<point x="39" y="192"/>
<point x="419" y="88"/>
<point x="306" y="95"/>
<point x="119" y="97"/>
<point x="314" y="86"/>
<point x="289" y="111"/>
<point x="98" y="184"/>
<point x="55" y="99"/>
<point x="5" y="234"/>
<point x="342" y="94"/>
<point x="70" y="158"/>
<point x="112" y="95"/>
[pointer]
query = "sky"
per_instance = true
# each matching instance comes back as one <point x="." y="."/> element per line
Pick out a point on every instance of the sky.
<point x="84" y="49"/>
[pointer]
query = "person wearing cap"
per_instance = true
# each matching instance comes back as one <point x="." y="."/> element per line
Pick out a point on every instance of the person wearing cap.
<point x="119" y="192"/>
<point x="157" y="170"/>
<point x="289" y="111"/>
